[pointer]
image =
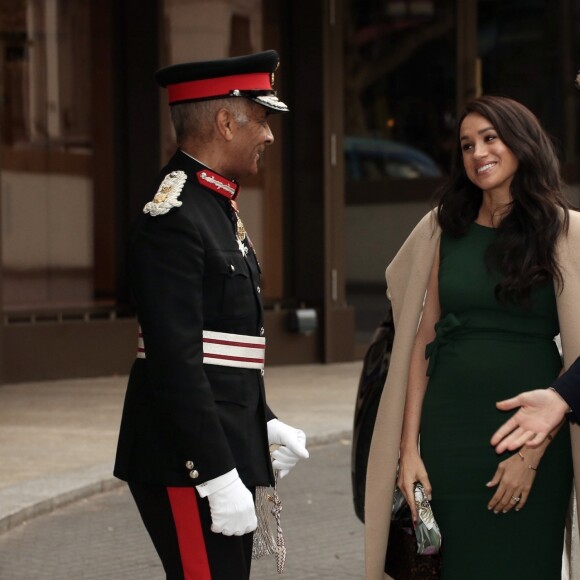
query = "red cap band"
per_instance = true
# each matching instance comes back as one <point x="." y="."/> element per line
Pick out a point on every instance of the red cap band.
<point x="221" y="86"/>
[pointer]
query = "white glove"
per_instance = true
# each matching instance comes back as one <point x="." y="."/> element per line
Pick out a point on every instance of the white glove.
<point x="232" y="510"/>
<point x="293" y="448"/>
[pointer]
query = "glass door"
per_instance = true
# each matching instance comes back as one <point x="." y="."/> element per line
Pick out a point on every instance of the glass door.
<point x="400" y="106"/>
<point x="411" y="66"/>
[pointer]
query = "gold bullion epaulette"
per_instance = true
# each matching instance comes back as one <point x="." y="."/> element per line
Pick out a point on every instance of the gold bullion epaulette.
<point x="167" y="195"/>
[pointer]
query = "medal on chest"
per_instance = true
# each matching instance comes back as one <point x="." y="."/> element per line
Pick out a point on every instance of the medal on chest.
<point x="241" y="234"/>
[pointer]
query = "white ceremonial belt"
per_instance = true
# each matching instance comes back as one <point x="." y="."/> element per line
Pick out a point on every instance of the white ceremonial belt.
<point x="226" y="349"/>
<point x="233" y="350"/>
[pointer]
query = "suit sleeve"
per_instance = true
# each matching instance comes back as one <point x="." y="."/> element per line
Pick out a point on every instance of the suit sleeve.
<point x="270" y="414"/>
<point x="166" y="272"/>
<point x="568" y="387"/>
<point x="568" y="384"/>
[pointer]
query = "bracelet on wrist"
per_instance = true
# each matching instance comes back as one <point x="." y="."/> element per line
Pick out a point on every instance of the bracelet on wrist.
<point x="523" y="459"/>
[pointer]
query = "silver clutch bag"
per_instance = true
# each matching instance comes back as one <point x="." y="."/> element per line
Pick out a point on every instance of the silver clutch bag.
<point x="268" y="538"/>
<point x="427" y="531"/>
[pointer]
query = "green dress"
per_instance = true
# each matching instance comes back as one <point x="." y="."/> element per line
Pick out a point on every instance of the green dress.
<point x="485" y="352"/>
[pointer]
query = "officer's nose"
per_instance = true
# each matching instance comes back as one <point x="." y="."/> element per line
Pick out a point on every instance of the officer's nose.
<point x="269" y="135"/>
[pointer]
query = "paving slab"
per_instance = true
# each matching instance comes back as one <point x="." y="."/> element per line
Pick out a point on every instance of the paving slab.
<point x="58" y="438"/>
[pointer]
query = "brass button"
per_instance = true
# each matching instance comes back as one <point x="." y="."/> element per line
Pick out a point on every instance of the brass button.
<point x="189" y="465"/>
<point x="232" y="268"/>
<point x="194" y="474"/>
<point x="258" y="289"/>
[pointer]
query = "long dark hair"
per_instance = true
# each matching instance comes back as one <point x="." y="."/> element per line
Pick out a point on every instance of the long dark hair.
<point x="523" y="251"/>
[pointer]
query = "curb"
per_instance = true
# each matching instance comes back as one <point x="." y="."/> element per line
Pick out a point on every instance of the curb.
<point x="326" y="438"/>
<point x="24" y="501"/>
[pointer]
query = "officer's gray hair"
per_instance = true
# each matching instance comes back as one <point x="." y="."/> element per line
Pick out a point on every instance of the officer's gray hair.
<point x="197" y="119"/>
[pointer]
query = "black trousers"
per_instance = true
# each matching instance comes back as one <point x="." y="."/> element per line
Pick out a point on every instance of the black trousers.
<point x="179" y="524"/>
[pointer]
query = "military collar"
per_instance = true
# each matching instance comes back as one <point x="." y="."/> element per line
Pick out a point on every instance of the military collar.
<point x="215" y="182"/>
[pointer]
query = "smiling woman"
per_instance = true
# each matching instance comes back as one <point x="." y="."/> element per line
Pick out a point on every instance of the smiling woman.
<point x="522" y="185"/>
<point x="485" y="331"/>
<point x="488" y="163"/>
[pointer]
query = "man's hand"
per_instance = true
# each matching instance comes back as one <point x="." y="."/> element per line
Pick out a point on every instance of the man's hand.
<point x="540" y="412"/>
<point x="232" y="510"/>
<point x="293" y="448"/>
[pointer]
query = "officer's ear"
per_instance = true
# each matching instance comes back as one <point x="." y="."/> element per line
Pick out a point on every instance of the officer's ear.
<point x="226" y="123"/>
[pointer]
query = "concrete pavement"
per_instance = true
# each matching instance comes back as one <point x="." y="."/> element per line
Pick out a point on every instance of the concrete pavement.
<point x="102" y="537"/>
<point x="57" y="438"/>
<point x="57" y="445"/>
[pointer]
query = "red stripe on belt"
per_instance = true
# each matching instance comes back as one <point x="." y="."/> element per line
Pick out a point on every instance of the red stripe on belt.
<point x="231" y="343"/>
<point x="238" y="358"/>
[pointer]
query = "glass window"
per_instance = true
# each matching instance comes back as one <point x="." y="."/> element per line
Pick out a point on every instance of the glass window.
<point x="399" y="117"/>
<point x="520" y="45"/>
<point x="45" y="161"/>
<point x="399" y="89"/>
<point x="528" y="51"/>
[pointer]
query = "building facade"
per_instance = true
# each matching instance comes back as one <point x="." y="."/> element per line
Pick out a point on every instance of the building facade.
<point x="374" y="89"/>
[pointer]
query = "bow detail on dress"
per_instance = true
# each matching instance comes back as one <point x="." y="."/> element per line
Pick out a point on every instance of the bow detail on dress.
<point x="444" y="329"/>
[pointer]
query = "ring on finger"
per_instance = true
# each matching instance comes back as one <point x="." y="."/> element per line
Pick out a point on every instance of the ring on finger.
<point x="516" y="499"/>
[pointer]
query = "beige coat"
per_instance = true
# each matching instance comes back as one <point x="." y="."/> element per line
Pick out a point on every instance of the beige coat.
<point x="407" y="277"/>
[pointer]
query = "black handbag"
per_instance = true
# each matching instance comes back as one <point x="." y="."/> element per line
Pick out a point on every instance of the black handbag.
<point x="370" y="388"/>
<point x="403" y="560"/>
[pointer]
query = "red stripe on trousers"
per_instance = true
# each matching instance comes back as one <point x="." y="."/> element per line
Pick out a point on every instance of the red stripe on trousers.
<point x="189" y="533"/>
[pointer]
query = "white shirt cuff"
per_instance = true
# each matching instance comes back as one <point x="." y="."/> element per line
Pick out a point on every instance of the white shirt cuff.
<point x="212" y="485"/>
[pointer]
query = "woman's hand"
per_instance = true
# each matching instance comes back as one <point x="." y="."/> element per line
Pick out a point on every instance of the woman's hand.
<point x="514" y="478"/>
<point x="412" y="469"/>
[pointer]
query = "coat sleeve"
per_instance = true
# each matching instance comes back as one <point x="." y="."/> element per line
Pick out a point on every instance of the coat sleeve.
<point x="568" y="387"/>
<point x="407" y="277"/>
<point x="166" y="273"/>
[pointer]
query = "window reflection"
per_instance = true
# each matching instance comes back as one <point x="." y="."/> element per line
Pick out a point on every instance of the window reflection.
<point x="368" y="158"/>
<point x="400" y="87"/>
<point x="528" y="51"/>
<point x="513" y="41"/>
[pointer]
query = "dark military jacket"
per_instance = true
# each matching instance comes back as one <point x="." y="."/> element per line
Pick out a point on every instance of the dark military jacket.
<point x="567" y="386"/>
<point x="185" y="422"/>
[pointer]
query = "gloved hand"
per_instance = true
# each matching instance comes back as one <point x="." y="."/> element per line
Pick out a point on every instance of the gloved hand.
<point x="293" y="448"/>
<point x="232" y="510"/>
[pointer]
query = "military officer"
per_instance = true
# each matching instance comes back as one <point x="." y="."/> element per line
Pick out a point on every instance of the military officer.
<point x="196" y="428"/>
